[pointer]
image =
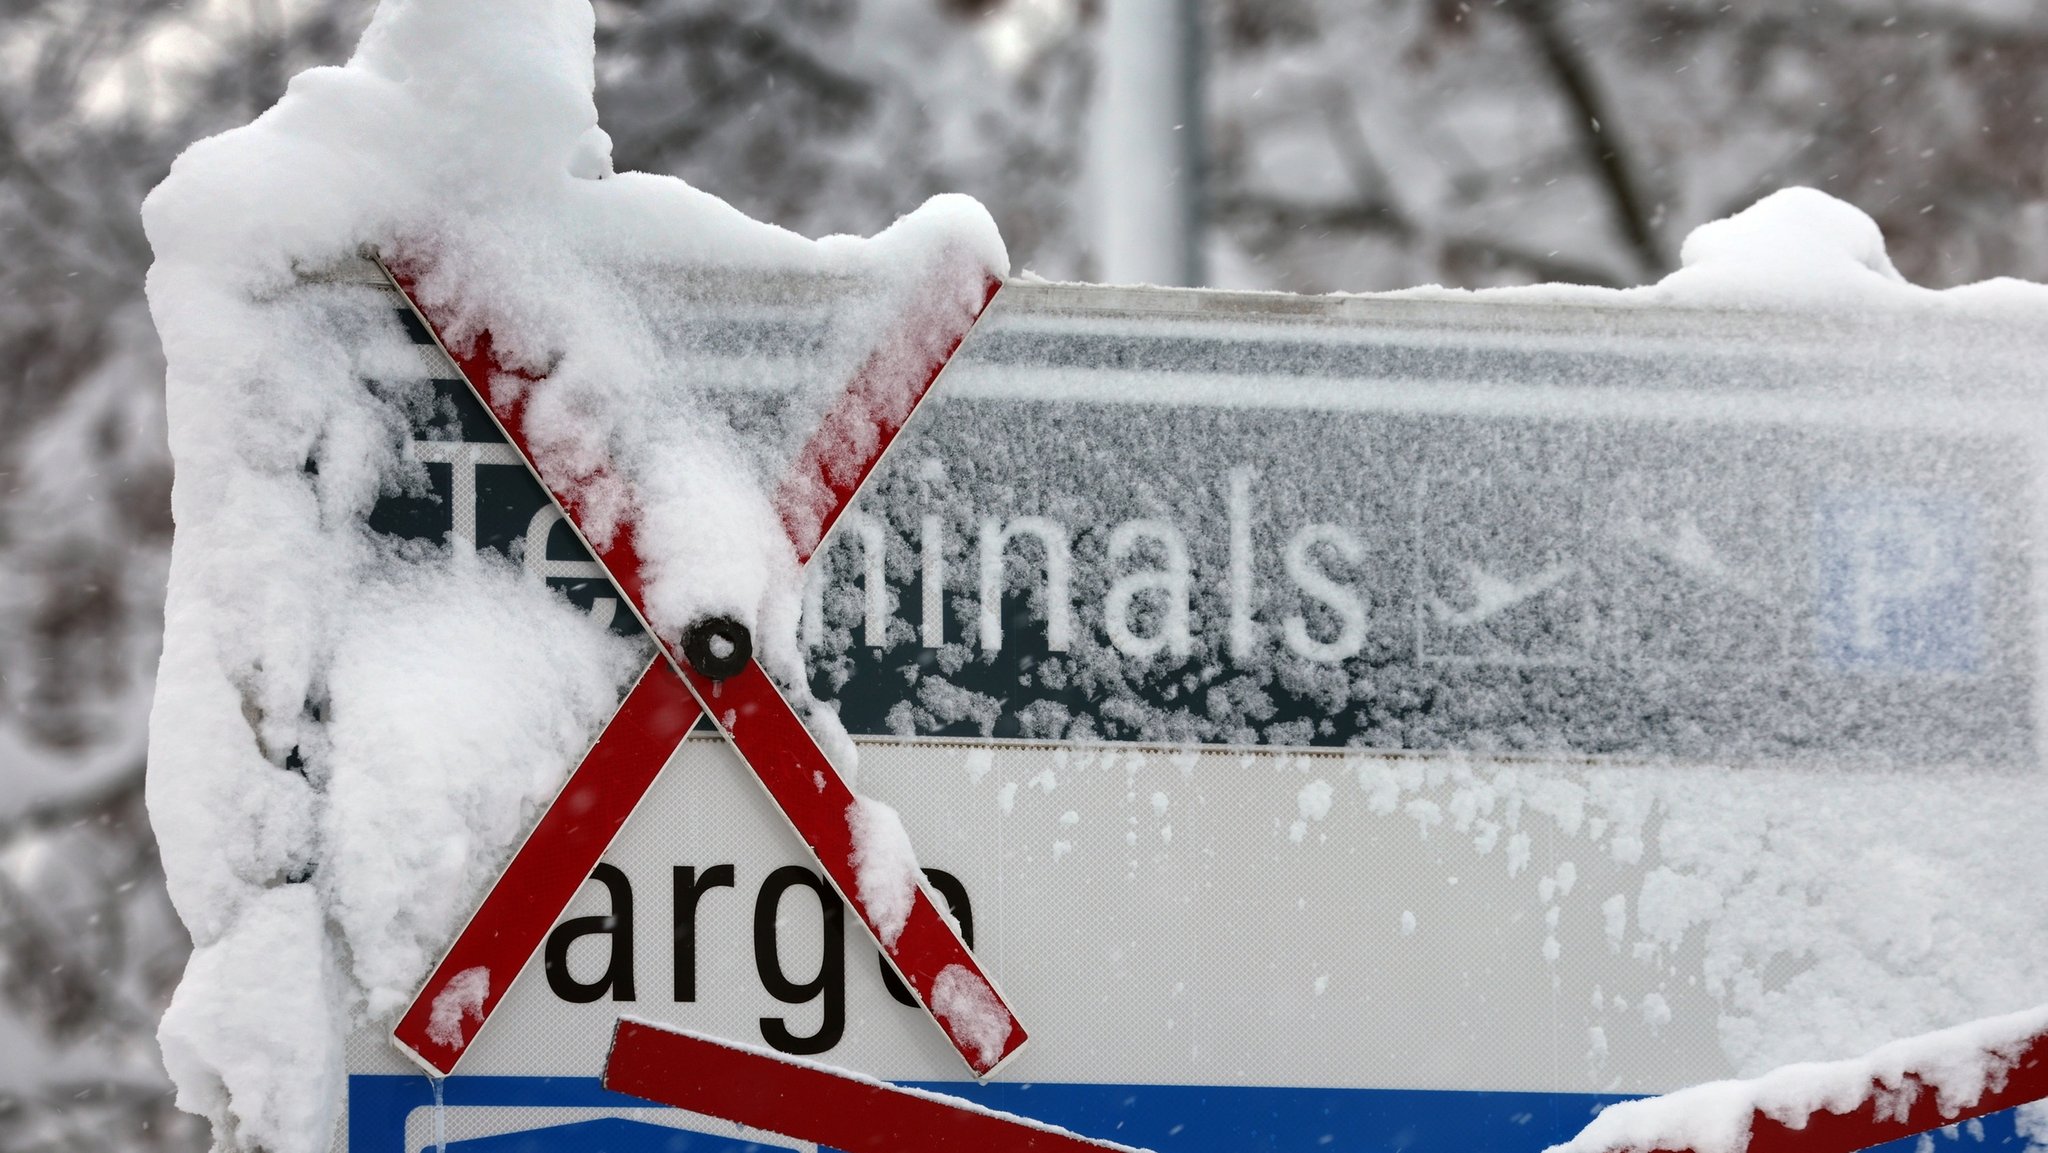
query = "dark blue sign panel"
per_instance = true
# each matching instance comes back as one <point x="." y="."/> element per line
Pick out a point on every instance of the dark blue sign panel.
<point x="1100" y="561"/>
<point x="1900" y="581"/>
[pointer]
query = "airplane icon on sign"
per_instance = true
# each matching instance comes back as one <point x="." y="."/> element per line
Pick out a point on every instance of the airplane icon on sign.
<point x="1493" y="594"/>
<point x="1686" y="548"/>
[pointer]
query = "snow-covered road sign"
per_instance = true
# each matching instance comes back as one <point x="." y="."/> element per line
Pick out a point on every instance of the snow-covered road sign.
<point x="1287" y="694"/>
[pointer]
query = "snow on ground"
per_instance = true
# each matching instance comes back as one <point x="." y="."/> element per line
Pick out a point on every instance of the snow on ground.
<point x="330" y="785"/>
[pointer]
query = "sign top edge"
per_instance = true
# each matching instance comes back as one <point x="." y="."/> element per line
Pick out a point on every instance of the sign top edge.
<point x="1647" y="317"/>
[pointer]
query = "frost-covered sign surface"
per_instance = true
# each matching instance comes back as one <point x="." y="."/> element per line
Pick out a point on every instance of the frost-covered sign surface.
<point x="1336" y="724"/>
<point x="1142" y="516"/>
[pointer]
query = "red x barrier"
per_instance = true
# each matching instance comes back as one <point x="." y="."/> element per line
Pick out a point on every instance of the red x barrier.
<point x="815" y="1103"/>
<point x="549" y="867"/>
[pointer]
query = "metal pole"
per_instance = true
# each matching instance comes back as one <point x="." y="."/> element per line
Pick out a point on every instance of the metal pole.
<point x="1146" y="151"/>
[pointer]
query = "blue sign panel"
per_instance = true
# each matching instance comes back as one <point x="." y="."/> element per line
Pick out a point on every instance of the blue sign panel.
<point x="603" y="1135"/>
<point x="1898" y="581"/>
<point x="1164" y="1118"/>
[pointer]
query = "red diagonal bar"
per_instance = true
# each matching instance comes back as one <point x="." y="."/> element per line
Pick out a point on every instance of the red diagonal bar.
<point x="1878" y="1119"/>
<point x="829" y="1107"/>
<point x="548" y="868"/>
<point x="926" y="950"/>
<point x="861" y="425"/>
<point x="479" y="366"/>
<point x="849" y="442"/>
<point x="1886" y="1111"/>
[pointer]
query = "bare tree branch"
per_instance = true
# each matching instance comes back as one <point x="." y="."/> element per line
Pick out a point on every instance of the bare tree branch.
<point x="1274" y="218"/>
<point x="1590" y="122"/>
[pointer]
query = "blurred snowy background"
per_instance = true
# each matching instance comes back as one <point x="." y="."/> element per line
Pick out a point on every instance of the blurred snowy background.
<point x="1343" y="144"/>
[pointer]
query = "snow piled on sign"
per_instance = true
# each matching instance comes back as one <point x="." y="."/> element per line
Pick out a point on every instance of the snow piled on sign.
<point x="461" y="998"/>
<point x="885" y="866"/>
<point x="964" y="1001"/>
<point x="1805" y="911"/>
<point x="1795" y="248"/>
<point x="350" y="733"/>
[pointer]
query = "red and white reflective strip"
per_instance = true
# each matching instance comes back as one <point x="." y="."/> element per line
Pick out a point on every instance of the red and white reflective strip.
<point x="816" y="1103"/>
<point x="752" y="714"/>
